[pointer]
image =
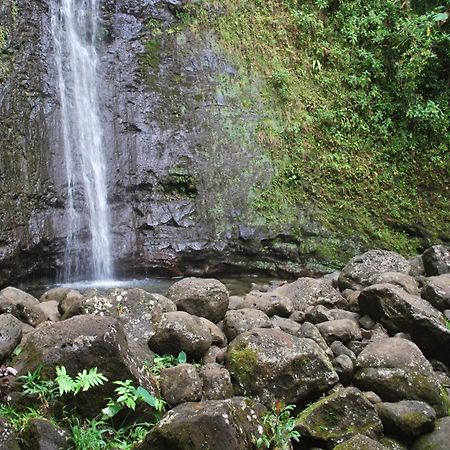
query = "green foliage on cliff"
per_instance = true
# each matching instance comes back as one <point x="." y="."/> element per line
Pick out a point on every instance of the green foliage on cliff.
<point x="357" y="113"/>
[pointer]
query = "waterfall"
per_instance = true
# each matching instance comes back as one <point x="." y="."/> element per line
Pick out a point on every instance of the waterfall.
<point x="75" y="31"/>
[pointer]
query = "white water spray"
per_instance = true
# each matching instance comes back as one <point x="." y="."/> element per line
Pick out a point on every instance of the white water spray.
<point x="75" y="30"/>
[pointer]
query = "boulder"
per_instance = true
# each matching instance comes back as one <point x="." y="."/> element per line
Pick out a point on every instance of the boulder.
<point x="392" y="444"/>
<point x="406" y="282"/>
<point x="396" y="369"/>
<point x="344" y="368"/>
<point x="436" y="260"/>
<point x="216" y="382"/>
<point x="180" y="384"/>
<point x="70" y="304"/>
<point x="287" y="325"/>
<point x="57" y="294"/>
<point x="407" y="418"/>
<point x="79" y="343"/>
<point x="214" y="354"/>
<point x="339" y="416"/>
<point x="204" y="297"/>
<point x="436" y="290"/>
<point x="362" y="270"/>
<point x="239" y="321"/>
<point x="180" y="331"/>
<point x="269" y="302"/>
<point x="50" y="309"/>
<point x="343" y="330"/>
<point x="417" y="267"/>
<point x="213" y="424"/>
<point x="438" y="439"/>
<point x="41" y="434"/>
<point x="338" y="348"/>
<point x="306" y="292"/>
<point x="218" y="336"/>
<point x="319" y="313"/>
<point x="269" y="364"/>
<point x="310" y="331"/>
<point x="21" y="305"/>
<point x="360" y="442"/>
<point x="10" y="335"/>
<point x="399" y="311"/>
<point x="7" y="436"/>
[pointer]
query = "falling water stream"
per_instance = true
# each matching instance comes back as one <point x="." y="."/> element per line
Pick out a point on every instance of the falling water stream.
<point x="75" y="32"/>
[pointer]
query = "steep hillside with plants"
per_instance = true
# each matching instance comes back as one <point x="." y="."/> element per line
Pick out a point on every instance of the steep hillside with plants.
<point x="356" y="117"/>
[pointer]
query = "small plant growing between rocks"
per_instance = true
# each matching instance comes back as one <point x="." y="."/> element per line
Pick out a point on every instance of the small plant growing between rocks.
<point x="166" y="361"/>
<point x="278" y="428"/>
<point x="92" y="434"/>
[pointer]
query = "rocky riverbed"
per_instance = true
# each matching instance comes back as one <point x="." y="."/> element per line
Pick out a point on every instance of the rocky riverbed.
<point x="363" y="354"/>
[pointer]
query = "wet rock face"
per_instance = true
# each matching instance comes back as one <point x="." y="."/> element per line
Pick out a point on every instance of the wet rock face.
<point x="168" y="153"/>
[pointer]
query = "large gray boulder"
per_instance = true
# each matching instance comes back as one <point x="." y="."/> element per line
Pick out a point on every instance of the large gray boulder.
<point x="399" y="311"/>
<point x="204" y="297"/>
<point x="362" y="270"/>
<point x="406" y="282"/>
<point x="180" y="331"/>
<point x="339" y="416"/>
<point x="438" y="439"/>
<point x="21" y="305"/>
<point x="269" y="302"/>
<point x="306" y="292"/>
<point x="436" y="260"/>
<point x="436" y="290"/>
<point x="270" y="364"/>
<point x="10" y="334"/>
<point x="239" y="321"/>
<point x="408" y="418"/>
<point x="213" y="424"/>
<point x="79" y="343"/>
<point x="343" y="330"/>
<point x="396" y="369"/>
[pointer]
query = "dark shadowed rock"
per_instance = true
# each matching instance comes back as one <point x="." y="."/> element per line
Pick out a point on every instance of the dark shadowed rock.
<point x="362" y="270"/>
<point x="396" y="369"/>
<point x="180" y="384"/>
<point x="269" y="364"/>
<point x="344" y="368"/>
<point x="216" y="382"/>
<point x="436" y="260"/>
<point x="213" y="424"/>
<point x="417" y="267"/>
<point x="437" y="439"/>
<point x="270" y="303"/>
<point x="201" y="297"/>
<point x="436" y="290"/>
<point x="7" y="436"/>
<point x="391" y="443"/>
<point x="319" y="313"/>
<point x="180" y="331"/>
<point x="10" y="334"/>
<point x="338" y="416"/>
<point x="218" y="336"/>
<point x="399" y="311"/>
<point x="239" y="321"/>
<point x="407" y="418"/>
<point x="41" y="434"/>
<point x="309" y="292"/>
<point x="21" y="305"/>
<point x="360" y="442"/>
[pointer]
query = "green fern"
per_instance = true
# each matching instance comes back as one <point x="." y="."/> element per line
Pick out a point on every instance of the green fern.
<point x="86" y="380"/>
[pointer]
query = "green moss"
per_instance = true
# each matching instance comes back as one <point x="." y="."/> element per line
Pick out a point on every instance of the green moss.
<point x="341" y="145"/>
<point x="242" y="362"/>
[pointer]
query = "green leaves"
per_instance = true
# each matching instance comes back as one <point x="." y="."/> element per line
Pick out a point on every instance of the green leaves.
<point x="83" y="382"/>
<point x="165" y="361"/>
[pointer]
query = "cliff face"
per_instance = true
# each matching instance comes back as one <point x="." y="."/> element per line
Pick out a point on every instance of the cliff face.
<point x="181" y="154"/>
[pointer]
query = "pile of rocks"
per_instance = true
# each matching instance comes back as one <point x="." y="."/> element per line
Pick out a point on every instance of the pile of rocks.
<point x="364" y="354"/>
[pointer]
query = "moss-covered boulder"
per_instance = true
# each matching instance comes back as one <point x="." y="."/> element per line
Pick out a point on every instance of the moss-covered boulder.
<point x="360" y="442"/>
<point x="269" y="363"/>
<point x="438" y="439"/>
<point x="339" y="416"/>
<point x="395" y="369"/>
<point x="213" y="425"/>
<point x="407" y="418"/>
<point x="41" y="434"/>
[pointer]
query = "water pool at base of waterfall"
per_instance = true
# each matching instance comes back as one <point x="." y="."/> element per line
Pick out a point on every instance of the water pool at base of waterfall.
<point x="236" y="285"/>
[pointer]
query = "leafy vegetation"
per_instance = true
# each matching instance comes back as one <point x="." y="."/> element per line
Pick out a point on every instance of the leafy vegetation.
<point x="96" y="433"/>
<point x="166" y="361"/>
<point x="278" y="428"/>
<point x="356" y="118"/>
